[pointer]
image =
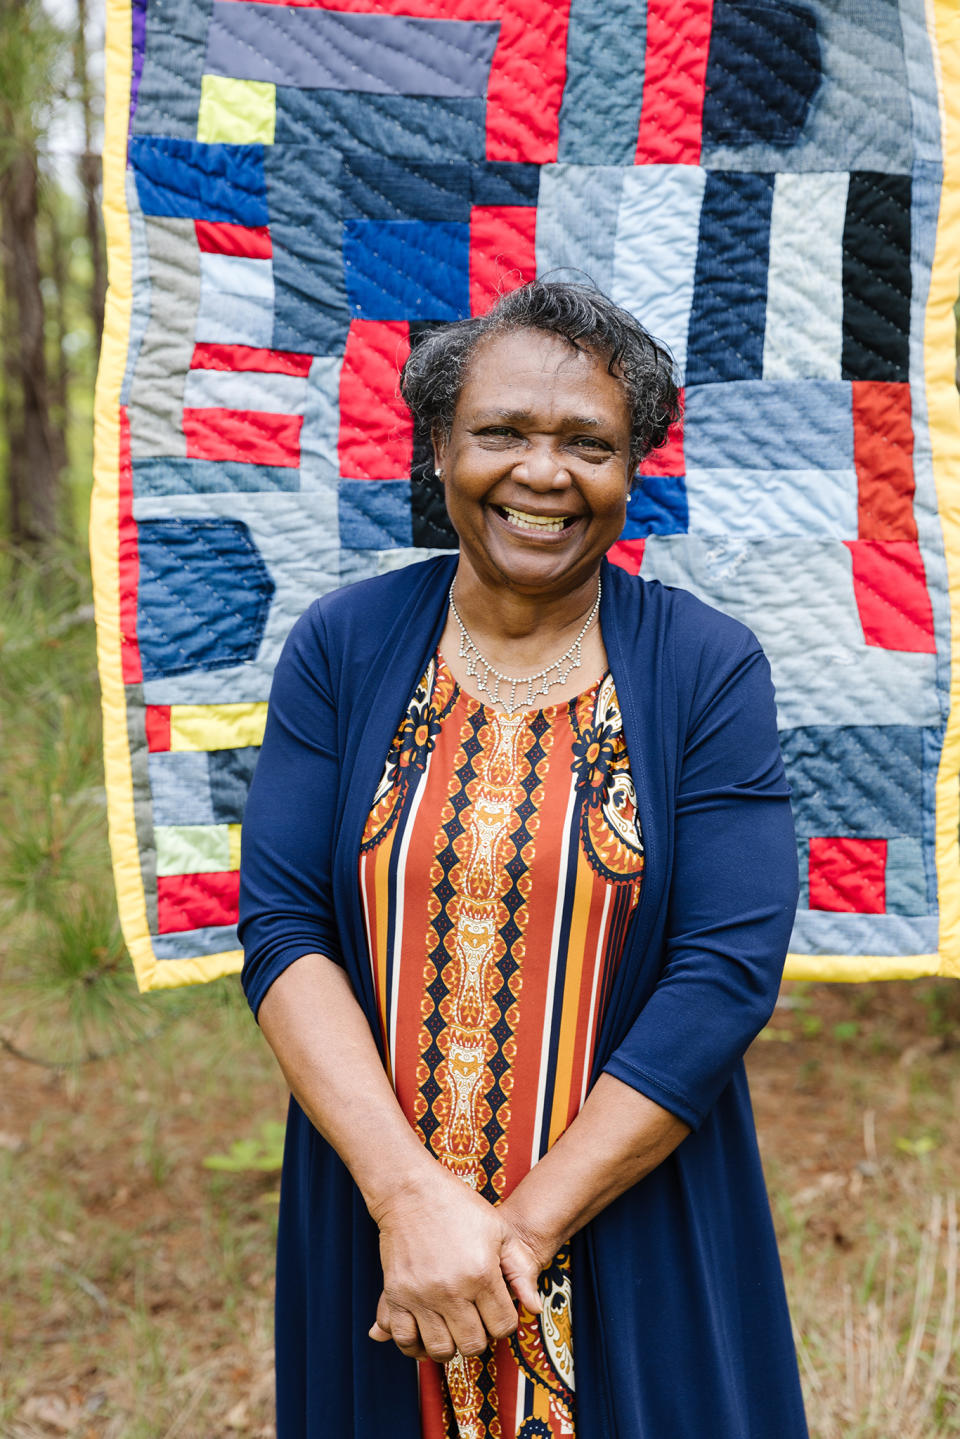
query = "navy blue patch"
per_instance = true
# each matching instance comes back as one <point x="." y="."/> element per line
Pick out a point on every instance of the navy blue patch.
<point x="203" y="598"/>
<point x="406" y="269"/>
<point x="728" y="315"/>
<point x="763" y="70"/>
<point x="375" y="188"/>
<point x="187" y="180"/>
<point x="375" y="514"/>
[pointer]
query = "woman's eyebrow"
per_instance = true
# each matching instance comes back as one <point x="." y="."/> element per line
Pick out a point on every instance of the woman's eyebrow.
<point x="510" y="416"/>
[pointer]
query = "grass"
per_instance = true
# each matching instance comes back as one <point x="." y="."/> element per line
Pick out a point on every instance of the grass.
<point x="137" y="1190"/>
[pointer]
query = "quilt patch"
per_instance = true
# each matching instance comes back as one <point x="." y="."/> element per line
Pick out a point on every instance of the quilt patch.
<point x="296" y="189"/>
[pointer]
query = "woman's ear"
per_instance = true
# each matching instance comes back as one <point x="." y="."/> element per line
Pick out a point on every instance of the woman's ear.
<point x="439" y="441"/>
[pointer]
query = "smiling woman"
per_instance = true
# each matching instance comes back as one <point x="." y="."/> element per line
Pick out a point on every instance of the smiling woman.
<point x="510" y="953"/>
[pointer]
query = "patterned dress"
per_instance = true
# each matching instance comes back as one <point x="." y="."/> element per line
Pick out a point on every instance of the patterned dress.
<point x="500" y="865"/>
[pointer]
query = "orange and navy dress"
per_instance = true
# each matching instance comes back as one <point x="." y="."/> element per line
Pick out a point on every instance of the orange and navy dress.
<point x="501" y="863"/>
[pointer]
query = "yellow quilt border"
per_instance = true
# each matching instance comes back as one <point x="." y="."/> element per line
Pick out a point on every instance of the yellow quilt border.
<point x="151" y="972"/>
<point x="943" y="25"/>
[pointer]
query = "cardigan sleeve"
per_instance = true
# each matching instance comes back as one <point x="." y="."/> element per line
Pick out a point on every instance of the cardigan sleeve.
<point x="732" y="899"/>
<point x="286" y="904"/>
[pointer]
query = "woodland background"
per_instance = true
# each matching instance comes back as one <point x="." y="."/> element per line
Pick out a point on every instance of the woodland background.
<point x="139" y="1136"/>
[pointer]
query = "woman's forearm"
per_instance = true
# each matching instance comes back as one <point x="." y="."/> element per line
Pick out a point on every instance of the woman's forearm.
<point x="618" y="1137"/>
<point x="315" y="1027"/>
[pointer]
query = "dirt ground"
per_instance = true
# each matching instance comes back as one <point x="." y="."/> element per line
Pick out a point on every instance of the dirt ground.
<point x="135" y="1283"/>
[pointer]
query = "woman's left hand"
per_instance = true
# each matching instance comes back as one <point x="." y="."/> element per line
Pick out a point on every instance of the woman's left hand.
<point x="520" y="1262"/>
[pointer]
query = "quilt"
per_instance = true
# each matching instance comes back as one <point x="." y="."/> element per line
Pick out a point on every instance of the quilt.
<point x="295" y="190"/>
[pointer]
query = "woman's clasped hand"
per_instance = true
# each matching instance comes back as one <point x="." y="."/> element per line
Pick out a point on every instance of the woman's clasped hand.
<point x="453" y="1266"/>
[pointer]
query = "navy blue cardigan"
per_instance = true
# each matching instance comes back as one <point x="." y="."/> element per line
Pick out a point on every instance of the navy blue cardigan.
<point x="680" y="1321"/>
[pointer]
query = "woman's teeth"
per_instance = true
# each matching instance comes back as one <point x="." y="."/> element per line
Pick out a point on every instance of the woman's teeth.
<point x="534" y="522"/>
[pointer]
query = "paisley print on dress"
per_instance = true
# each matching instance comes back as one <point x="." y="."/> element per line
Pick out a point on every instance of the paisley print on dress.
<point x="609" y="824"/>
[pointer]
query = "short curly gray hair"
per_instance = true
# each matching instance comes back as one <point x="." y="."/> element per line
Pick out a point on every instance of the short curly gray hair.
<point x="434" y="374"/>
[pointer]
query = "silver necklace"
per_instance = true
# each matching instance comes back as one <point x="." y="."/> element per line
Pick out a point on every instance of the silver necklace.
<point x="481" y="670"/>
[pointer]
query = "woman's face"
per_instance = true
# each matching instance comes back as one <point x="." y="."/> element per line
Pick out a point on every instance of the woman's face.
<point x="536" y="467"/>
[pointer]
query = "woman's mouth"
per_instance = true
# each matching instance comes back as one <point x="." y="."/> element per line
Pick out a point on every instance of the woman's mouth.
<point x="541" y="524"/>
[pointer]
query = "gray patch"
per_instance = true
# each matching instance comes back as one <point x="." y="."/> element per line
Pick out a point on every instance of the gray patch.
<point x="140" y="284"/>
<point x="156" y="393"/>
<point x="327" y="50"/>
<point x="142" y="799"/>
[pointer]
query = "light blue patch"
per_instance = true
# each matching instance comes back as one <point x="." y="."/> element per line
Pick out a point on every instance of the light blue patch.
<point x="180" y="788"/>
<point x="577" y="222"/>
<point x="188" y="943"/>
<point x="236" y="301"/>
<point x="906" y="881"/>
<point x="655" y="254"/>
<point x="819" y="931"/>
<point x="797" y="596"/>
<point x="753" y="504"/>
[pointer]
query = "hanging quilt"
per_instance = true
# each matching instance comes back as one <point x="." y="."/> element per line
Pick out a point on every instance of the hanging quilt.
<point x="295" y="190"/>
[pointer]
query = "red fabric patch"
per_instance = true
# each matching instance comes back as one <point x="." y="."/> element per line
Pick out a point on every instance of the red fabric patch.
<point x="158" y="728"/>
<point x="628" y="554"/>
<point x="674" y="79"/>
<point x="890" y="586"/>
<point x="128" y="556"/>
<point x="193" y="901"/>
<point x="376" y="428"/>
<point x="883" y="455"/>
<point x="246" y="357"/>
<point x="848" y="875"/>
<point x="220" y="238"/>
<point x="253" y="437"/>
<point x="669" y="459"/>
<point x="502" y="252"/>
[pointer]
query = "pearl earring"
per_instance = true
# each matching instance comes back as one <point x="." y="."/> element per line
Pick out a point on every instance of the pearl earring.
<point x="439" y="473"/>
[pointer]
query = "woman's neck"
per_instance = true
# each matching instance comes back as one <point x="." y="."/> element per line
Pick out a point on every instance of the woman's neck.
<point x="520" y="635"/>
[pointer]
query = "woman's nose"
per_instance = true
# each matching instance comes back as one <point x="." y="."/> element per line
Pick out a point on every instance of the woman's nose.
<point x="542" y="469"/>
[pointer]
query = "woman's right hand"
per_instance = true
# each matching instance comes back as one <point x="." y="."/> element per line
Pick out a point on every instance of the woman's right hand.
<point x="444" y="1252"/>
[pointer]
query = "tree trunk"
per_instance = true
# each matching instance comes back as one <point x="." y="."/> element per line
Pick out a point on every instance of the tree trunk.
<point x="35" y="497"/>
<point x="60" y="381"/>
<point x="90" y="175"/>
<point x="12" y="397"/>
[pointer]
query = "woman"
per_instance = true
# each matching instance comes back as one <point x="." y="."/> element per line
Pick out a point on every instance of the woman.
<point x="518" y="880"/>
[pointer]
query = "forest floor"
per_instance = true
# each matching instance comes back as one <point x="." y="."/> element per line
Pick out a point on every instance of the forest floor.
<point x="136" y="1283"/>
